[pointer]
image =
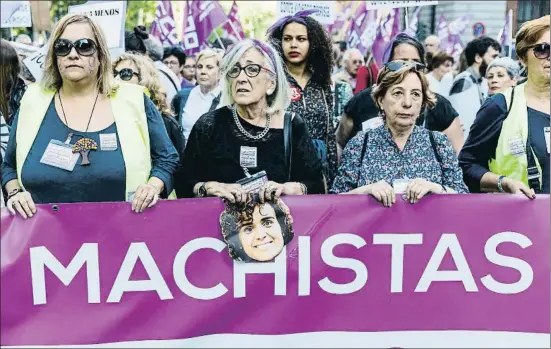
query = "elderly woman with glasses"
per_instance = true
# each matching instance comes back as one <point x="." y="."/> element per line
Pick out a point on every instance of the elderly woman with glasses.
<point x="251" y="143"/>
<point x="508" y="145"/>
<point x="80" y="137"/>
<point x="501" y="74"/>
<point x="398" y="156"/>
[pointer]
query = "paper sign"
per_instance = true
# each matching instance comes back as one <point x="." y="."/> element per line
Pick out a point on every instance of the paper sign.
<point x="15" y="14"/>
<point x="35" y="62"/>
<point x="109" y="15"/>
<point x="369" y="5"/>
<point x="326" y="14"/>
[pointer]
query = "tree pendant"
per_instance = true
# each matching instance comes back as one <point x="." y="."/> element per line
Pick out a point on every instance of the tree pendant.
<point x="83" y="146"/>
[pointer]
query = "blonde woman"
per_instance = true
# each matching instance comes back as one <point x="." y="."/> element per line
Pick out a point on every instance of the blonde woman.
<point x="139" y="69"/>
<point x="80" y="137"/>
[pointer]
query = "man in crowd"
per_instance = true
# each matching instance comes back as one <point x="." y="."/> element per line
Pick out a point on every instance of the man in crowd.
<point x="470" y="88"/>
<point x="169" y="80"/>
<point x="432" y="44"/>
<point x="175" y="59"/>
<point x="352" y="61"/>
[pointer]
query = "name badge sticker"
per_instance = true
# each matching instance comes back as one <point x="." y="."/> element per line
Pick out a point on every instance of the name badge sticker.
<point x="546" y="131"/>
<point x="517" y="147"/>
<point x="372" y="123"/>
<point x="108" y="141"/>
<point x="60" y="155"/>
<point x="248" y="157"/>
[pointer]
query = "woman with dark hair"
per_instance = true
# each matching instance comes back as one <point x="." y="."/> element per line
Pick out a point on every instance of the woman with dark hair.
<point x="440" y="75"/>
<point x="306" y="48"/>
<point x="255" y="230"/>
<point x="12" y="87"/>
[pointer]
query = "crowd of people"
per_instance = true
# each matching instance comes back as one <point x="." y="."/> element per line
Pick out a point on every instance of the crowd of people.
<point x="292" y="115"/>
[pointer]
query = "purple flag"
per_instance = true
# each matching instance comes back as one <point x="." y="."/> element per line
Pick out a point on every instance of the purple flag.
<point x="443" y="33"/>
<point x="413" y="23"/>
<point x="233" y="28"/>
<point x="164" y="27"/>
<point x="450" y="33"/>
<point x="200" y="19"/>
<point x="355" y="30"/>
<point x="341" y="19"/>
<point x="388" y="29"/>
<point x="450" y="271"/>
<point x="505" y="37"/>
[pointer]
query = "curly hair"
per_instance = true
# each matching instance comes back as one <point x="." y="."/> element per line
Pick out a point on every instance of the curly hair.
<point x="149" y="78"/>
<point x="243" y="212"/>
<point x="320" y="56"/>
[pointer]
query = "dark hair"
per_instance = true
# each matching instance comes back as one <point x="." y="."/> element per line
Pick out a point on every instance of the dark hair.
<point x="133" y="40"/>
<point x="343" y="45"/>
<point x="225" y="41"/>
<point x="479" y="46"/>
<point x="177" y="52"/>
<point x="438" y="59"/>
<point x="9" y="71"/>
<point x="320" y="57"/>
<point x="403" y="38"/>
<point x="243" y="212"/>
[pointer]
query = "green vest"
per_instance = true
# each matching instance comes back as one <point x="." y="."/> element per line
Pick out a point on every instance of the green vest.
<point x="130" y="118"/>
<point x="514" y="130"/>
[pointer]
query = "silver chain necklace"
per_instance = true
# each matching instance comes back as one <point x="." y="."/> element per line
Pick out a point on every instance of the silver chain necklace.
<point x="240" y="127"/>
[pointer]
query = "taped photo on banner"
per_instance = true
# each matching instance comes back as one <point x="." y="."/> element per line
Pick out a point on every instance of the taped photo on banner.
<point x="255" y="231"/>
<point x="325" y="15"/>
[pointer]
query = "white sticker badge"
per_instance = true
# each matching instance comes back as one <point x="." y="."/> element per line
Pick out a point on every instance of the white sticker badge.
<point x="247" y="158"/>
<point x="372" y="123"/>
<point x="108" y="141"/>
<point x="517" y="147"/>
<point x="60" y="155"/>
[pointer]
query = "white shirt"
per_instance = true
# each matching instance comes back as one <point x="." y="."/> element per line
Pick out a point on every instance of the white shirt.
<point x="441" y="87"/>
<point x="197" y="105"/>
<point x="172" y="84"/>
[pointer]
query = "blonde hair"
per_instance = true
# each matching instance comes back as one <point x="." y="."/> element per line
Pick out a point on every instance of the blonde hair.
<point x="149" y="78"/>
<point x="208" y="53"/>
<point x="388" y="78"/>
<point x="52" y="78"/>
<point x="529" y="34"/>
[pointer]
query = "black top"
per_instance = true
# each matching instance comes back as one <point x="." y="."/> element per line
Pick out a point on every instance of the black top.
<point x="481" y="144"/>
<point x="214" y="146"/>
<point x="362" y="108"/>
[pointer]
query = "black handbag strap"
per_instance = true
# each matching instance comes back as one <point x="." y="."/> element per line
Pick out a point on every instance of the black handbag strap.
<point x="364" y="148"/>
<point x="288" y="142"/>
<point x="435" y="150"/>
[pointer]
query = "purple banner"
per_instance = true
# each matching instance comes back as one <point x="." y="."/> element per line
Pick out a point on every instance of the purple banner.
<point x="202" y="18"/>
<point x="164" y="27"/>
<point x="452" y="270"/>
<point x="233" y="28"/>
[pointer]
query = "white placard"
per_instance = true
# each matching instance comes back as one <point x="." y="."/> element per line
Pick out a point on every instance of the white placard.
<point x="35" y="62"/>
<point x="398" y="3"/>
<point x="326" y="14"/>
<point x="109" y="15"/>
<point x="15" y="14"/>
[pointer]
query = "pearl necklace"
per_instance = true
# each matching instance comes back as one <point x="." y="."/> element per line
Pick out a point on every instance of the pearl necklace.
<point x="240" y="127"/>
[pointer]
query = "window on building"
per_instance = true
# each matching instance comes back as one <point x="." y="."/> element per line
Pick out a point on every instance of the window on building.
<point x="528" y="10"/>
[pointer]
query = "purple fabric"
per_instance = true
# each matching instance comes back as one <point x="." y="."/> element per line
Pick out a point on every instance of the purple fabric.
<point x="233" y="28"/>
<point x="186" y="83"/>
<point x="297" y="17"/>
<point x="386" y="33"/>
<point x="202" y="18"/>
<point x="342" y="17"/>
<point x="164" y="27"/>
<point x="471" y="221"/>
<point x="264" y="48"/>
<point x="413" y="23"/>
<point x="357" y="28"/>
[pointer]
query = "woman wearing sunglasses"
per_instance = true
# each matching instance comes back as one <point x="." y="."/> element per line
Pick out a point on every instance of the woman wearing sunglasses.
<point x="508" y="147"/>
<point x="139" y="69"/>
<point x="250" y="143"/>
<point x="398" y="156"/>
<point x="79" y="137"/>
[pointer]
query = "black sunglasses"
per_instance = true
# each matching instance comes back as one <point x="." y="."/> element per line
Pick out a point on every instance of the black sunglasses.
<point x="397" y="65"/>
<point x="541" y="51"/>
<point x="251" y="70"/>
<point x="125" y="74"/>
<point x="84" y="47"/>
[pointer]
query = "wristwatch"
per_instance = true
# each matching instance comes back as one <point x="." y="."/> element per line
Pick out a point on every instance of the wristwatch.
<point x="202" y="191"/>
<point x="500" y="184"/>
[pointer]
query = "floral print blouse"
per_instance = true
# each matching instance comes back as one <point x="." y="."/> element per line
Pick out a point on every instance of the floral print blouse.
<point x="318" y="115"/>
<point x="383" y="160"/>
<point x="342" y="94"/>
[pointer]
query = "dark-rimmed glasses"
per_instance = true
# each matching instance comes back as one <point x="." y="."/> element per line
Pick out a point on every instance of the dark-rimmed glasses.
<point x="251" y="70"/>
<point x="84" y="47"/>
<point x="541" y="51"/>
<point x="125" y="74"/>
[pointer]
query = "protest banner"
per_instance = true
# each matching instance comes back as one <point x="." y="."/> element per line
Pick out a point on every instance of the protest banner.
<point x="325" y="15"/>
<point x="449" y="271"/>
<point x="15" y="14"/>
<point x="200" y="19"/>
<point x="164" y="26"/>
<point x="399" y="3"/>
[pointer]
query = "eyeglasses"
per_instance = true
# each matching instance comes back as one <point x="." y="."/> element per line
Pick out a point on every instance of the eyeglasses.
<point x="189" y="67"/>
<point x="175" y="63"/>
<point x="251" y="70"/>
<point x="541" y="51"/>
<point x="126" y="74"/>
<point x="84" y="47"/>
<point x="397" y="65"/>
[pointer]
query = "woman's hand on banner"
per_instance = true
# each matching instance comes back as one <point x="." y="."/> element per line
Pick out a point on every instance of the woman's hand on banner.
<point x="513" y="186"/>
<point x="419" y="187"/>
<point x="233" y="193"/>
<point x="382" y="192"/>
<point x="23" y="203"/>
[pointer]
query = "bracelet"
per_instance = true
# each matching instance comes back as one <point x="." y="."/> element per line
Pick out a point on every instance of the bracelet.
<point x="303" y="188"/>
<point x="500" y="185"/>
<point x="14" y="192"/>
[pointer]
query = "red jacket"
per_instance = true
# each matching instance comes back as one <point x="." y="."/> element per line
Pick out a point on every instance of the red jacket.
<point x="367" y="76"/>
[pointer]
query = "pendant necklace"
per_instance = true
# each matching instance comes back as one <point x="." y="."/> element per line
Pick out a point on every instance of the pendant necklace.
<point x="85" y="144"/>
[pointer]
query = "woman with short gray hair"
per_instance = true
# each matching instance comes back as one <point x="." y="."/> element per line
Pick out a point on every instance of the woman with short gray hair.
<point x="502" y="73"/>
<point x="250" y="143"/>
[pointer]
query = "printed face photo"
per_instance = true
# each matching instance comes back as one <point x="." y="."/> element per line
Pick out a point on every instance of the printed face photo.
<point x="256" y="231"/>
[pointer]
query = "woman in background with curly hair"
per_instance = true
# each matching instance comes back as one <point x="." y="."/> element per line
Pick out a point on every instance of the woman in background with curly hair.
<point x="307" y="51"/>
<point x="138" y="69"/>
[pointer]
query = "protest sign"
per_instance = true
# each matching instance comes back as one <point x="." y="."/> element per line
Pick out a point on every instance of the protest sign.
<point x="326" y="14"/>
<point x="164" y="26"/>
<point x="200" y="19"/>
<point x="399" y="3"/>
<point x="35" y="62"/>
<point x="15" y="14"/>
<point x="449" y="271"/>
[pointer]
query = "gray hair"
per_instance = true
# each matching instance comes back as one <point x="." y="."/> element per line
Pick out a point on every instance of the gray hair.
<point x="348" y="52"/>
<point x="512" y="67"/>
<point x="154" y="48"/>
<point x="280" y="99"/>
